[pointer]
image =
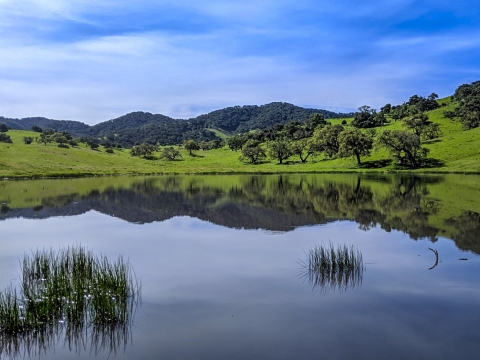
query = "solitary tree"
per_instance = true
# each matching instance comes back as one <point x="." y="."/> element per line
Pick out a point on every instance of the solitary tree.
<point x="3" y="128"/>
<point x="422" y="127"/>
<point x="236" y="142"/>
<point x="352" y="142"/>
<point x="44" y="138"/>
<point x="280" y="150"/>
<point x="304" y="148"/>
<point x="327" y="139"/>
<point x="404" y="146"/>
<point x="59" y="138"/>
<point x="398" y="112"/>
<point x="191" y="145"/>
<point x="417" y="123"/>
<point x="252" y="154"/>
<point x="170" y="154"/>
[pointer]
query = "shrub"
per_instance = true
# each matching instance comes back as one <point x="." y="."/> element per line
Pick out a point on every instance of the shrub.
<point x="146" y="150"/>
<point x="27" y="140"/>
<point x="5" y="138"/>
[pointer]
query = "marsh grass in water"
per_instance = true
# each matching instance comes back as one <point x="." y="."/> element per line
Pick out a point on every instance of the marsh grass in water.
<point x="327" y="267"/>
<point x="70" y="290"/>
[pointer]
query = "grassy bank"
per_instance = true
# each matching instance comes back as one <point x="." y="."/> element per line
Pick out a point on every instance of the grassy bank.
<point x="457" y="151"/>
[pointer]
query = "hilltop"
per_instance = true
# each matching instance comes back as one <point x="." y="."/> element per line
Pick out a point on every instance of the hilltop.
<point x="139" y="127"/>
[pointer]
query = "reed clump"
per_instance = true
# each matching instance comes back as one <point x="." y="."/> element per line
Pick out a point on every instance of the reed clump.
<point x="327" y="267"/>
<point x="70" y="289"/>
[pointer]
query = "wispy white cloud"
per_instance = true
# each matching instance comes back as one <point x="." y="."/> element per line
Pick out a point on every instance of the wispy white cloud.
<point x="304" y="53"/>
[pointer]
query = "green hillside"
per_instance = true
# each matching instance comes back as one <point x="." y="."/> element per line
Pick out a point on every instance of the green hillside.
<point x="456" y="151"/>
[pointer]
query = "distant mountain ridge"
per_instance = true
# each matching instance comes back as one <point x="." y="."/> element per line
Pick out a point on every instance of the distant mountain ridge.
<point x="75" y="127"/>
<point x="137" y="127"/>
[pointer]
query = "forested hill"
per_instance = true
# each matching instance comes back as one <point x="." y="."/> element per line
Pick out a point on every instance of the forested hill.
<point x="138" y="127"/>
<point x="240" y="119"/>
<point x="132" y="120"/>
<point x="74" y="127"/>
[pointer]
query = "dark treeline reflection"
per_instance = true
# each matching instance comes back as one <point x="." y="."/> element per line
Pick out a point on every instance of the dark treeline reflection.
<point x="279" y="203"/>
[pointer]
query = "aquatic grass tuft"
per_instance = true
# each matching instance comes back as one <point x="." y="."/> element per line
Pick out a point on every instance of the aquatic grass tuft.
<point x="327" y="267"/>
<point x="72" y="290"/>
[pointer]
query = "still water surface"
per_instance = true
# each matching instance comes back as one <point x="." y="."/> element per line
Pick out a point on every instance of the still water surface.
<point x="219" y="258"/>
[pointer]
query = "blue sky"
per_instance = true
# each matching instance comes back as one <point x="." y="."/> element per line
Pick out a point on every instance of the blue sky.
<point x="95" y="60"/>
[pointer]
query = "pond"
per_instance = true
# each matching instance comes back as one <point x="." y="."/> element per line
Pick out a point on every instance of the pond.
<point x="222" y="264"/>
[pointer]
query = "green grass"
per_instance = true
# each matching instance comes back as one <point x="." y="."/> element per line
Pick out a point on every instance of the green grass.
<point x="328" y="267"/>
<point x="70" y="289"/>
<point x="456" y="151"/>
<point x="222" y="135"/>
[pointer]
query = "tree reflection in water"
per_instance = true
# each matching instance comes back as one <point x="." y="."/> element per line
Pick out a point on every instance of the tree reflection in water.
<point x="412" y="204"/>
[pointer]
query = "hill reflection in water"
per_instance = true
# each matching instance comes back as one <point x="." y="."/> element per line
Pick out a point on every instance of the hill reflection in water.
<point x="420" y="206"/>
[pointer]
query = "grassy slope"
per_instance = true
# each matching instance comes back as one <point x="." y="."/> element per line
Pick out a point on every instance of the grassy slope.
<point x="220" y="134"/>
<point x="457" y="149"/>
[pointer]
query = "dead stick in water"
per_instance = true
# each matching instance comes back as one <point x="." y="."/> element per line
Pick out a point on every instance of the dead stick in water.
<point x="436" y="258"/>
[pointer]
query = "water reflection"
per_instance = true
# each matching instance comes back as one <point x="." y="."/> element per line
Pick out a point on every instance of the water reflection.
<point x="72" y="297"/>
<point x="412" y="204"/>
<point x="467" y="230"/>
<point x="333" y="268"/>
<point x="81" y="339"/>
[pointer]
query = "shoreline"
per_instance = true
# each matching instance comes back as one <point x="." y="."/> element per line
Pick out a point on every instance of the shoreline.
<point x="165" y="173"/>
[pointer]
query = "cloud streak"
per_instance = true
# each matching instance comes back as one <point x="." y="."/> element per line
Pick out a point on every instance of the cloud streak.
<point x="92" y="61"/>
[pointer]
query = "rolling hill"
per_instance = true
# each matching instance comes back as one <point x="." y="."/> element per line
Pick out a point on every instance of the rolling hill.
<point x="138" y="127"/>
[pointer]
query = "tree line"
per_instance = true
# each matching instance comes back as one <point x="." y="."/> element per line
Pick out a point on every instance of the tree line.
<point x="357" y="140"/>
<point x="303" y="139"/>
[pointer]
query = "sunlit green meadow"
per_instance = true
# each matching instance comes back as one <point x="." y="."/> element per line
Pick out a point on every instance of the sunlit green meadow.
<point x="456" y="151"/>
